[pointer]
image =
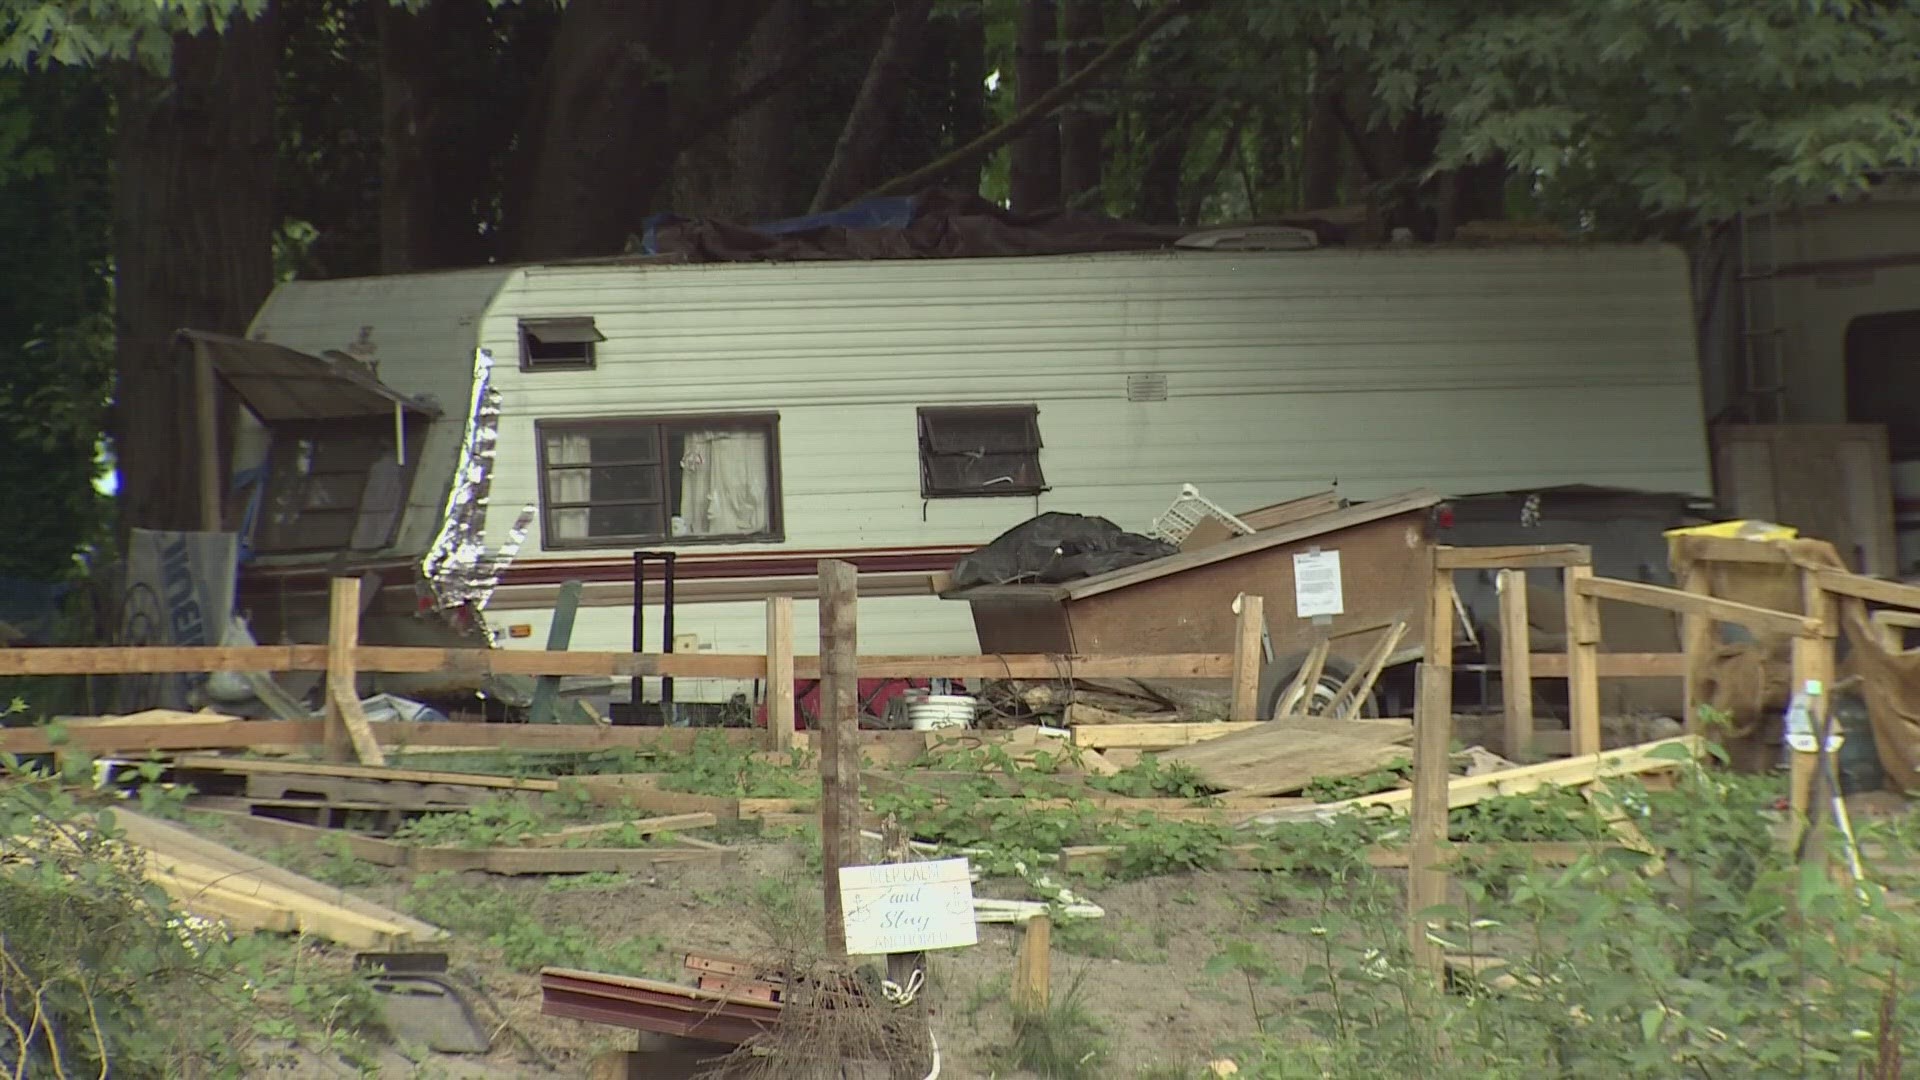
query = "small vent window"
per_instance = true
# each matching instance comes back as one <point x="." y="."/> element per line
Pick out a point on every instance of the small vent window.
<point x="985" y="451"/>
<point x="558" y="344"/>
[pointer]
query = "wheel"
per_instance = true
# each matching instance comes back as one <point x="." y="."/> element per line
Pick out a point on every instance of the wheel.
<point x="1333" y="674"/>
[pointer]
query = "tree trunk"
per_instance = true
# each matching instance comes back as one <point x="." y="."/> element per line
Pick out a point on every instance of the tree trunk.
<point x="193" y="247"/>
<point x="1034" y="176"/>
<point x="857" y="153"/>
<point x="434" y="154"/>
<point x="1169" y="134"/>
<point x="958" y="45"/>
<point x="613" y="112"/>
<point x="1083" y="128"/>
<point x="1322" y="150"/>
<point x="754" y="169"/>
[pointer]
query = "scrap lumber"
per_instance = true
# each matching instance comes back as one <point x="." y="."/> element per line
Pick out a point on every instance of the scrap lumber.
<point x="536" y="860"/>
<point x="641" y="827"/>
<point x="1078" y="713"/>
<point x="1100" y="857"/>
<point x="295" y="834"/>
<point x="1467" y="790"/>
<point x="215" y="880"/>
<point x="245" y="766"/>
<point x="1146" y="736"/>
<point x="1279" y="757"/>
<point x="641" y="791"/>
<point x="346" y="722"/>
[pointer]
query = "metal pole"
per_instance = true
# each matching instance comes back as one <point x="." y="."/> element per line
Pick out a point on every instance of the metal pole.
<point x="666" y="630"/>
<point x="637" y="686"/>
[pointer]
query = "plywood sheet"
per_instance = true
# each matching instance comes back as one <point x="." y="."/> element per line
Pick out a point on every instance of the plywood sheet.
<point x="1275" y="758"/>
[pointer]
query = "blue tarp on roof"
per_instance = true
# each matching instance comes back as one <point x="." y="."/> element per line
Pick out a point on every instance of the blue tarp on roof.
<point x="885" y="212"/>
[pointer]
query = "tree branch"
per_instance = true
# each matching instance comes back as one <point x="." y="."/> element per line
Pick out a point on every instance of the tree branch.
<point x="1045" y="106"/>
<point x="854" y="152"/>
<point x="712" y="118"/>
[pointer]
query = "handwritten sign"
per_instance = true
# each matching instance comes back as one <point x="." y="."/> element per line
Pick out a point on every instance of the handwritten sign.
<point x="1316" y="584"/>
<point x="907" y="907"/>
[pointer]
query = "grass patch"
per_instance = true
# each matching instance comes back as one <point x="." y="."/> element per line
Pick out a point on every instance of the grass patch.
<point x="1062" y="1041"/>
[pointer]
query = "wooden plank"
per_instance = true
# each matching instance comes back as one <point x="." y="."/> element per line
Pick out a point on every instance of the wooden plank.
<point x="780" y="703"/>
<point x="839" y="755"/>
<point x="243" y="873"/>
<point x="1516" y="665"/>
<point x="1872" y="590"/>
<point x="1726" y="549"/>
<point x="1276" y="758"/>
<point x="1318" y="525"/>
<point x="641" y="827"/>
<point x="477" y="663"/>
<point x="346" y="724"/>
<point x="1697" y="633"/>
<point x="546" y="691"/>
<point x="244" y="766"/>
<point x="515" y="861"/>
<point x="1513" y="557"/>
<point x="1468" y="790"/>
<point x="1091" y="857"/>
<point x="1427" y="878"/>
<point x="1583" y="660"/>
<point x="1757" y="619"/>
<point x="1033" y="970"/>
<point x="1250" y="625"/>
<point x="1614" y="665"/>
<point x="1078" y="712"/>
<point x="1144" y="736"/>
<point x="294" y="834"/>
<point x="137" y="739"/>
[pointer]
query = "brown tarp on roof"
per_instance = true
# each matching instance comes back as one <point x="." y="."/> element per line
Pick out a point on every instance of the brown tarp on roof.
<point x="944" y="226"/>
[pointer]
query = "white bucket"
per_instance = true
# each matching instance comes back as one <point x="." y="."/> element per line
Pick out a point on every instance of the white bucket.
<point x="935" y="711"/>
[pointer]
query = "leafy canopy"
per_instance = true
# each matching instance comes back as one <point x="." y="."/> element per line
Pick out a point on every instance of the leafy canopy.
<point x="1694" y="108"/>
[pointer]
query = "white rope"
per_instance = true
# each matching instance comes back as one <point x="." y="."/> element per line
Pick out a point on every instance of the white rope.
<point x="902" y="996"/>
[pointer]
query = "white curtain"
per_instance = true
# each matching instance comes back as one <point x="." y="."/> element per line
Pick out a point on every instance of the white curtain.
<point x="724" y="483"/>
<point x="569" y="485"/>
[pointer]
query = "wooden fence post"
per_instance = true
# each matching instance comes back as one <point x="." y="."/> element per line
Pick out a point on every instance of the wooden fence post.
<point x="780" y="672"/>
<point x="346" y="734"/>
<point x="1813" y="665"/>
<point x="839" y="737"/>
<point x="1516" y="664"/>
<point x="1696" y="631"/>
<point x="1426" y="861"/>
<point x="1246" y="656"/>
<point x="1583" y="662"/>
<point x="1033" y="970"/>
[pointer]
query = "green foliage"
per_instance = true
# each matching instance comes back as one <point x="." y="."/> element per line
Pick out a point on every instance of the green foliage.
<point x="1063" y="1041"/>
<point x="1731" y="962"/>
<point x="100" y="974"/>
<point x="495" y="822"/>
<point x="526" y="941"/>
<point x="1547" y="814"/>
<point x="1151" y="778"/>
<point x="717" y="766"/>
<point x="36" y="33"/>
<point x="1670" y="110"/>
<point x="1152" y="846"/>
<point x="1327" y="789"/>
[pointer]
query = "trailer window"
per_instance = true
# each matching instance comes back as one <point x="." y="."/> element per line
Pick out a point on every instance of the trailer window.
<point x="980" y="451"/>
<point x="609" y="483"/>
<point x="564" y="344"/>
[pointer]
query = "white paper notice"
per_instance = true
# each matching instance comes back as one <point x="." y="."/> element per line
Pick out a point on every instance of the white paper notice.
<point x="1316" y="584"/>
<point x="907" y="907"/>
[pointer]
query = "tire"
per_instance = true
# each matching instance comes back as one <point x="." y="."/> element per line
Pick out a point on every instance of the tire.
<point x="1333" y="674"/>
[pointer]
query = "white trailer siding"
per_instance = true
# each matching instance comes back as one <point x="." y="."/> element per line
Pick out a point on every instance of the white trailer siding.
<point x="1459" y="369"/>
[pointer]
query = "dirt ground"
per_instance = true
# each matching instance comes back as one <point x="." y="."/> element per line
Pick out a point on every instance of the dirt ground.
<point x="1140" y="972"/>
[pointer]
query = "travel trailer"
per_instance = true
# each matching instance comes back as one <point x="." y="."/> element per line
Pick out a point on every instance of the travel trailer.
<point x="754" y="418"/>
